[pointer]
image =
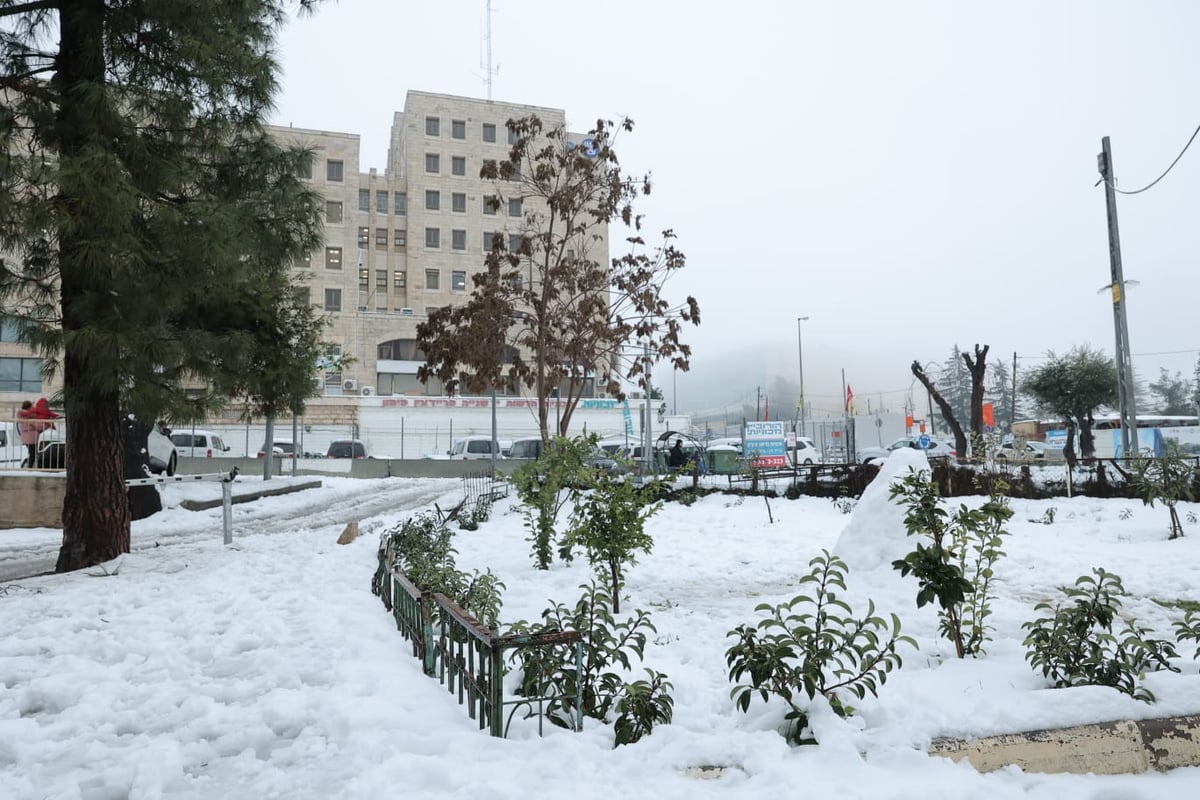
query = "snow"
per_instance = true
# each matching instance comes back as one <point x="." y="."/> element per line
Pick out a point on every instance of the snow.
<point x="188" y="669"/>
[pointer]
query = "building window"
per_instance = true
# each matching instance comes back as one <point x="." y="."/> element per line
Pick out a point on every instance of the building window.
<point x="333" y="171"/>
<point x="333" y="299"/>
<point x="381" y="238"/>
<point x="301" y="296"/>
<point x="21" y="375"/>
<point x="458" y="240"/>
<point x="10" y="330"/>
<point x="363" y="233"/>
<point x="364" y="277"/>
<point x="364" y="199"/>
<point x="514" y="242"/>
<point x="399" y="237"/>
<point x="398" y="279"/>
<point x="333" y="212"/>
<point x="400" y="201"/>
<point x="489" y="205"/>
<point x="381" y="202"/>
<point x="458" y="165"/>
<point x="489" y="164"/>
<point x="512" y="135"/>
<point x="458" y="129"/>
<point x="433" y="200"/>
<point x="488" y="239"/>
<point x="433" y="126"/>
<point x="304" y="262"/>
<point x="333" y="258"/>
<point x="433" y="238"/>
<point x="514" y="207"/>
<point x="489" y="132"/>
<point x="433" y="280"/>
<point x="381" y="279"/>
<point x="433" y="163"/>
<point x="458" y="202"/>
<point x="458" y="280"/>
<point x="306" y="168"/>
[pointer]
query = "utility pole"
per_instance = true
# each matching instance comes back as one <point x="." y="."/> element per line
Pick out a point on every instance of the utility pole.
<point x="803" y="403"/>
<point x="1012" y="407"/>
<point x="1125" y="389"/>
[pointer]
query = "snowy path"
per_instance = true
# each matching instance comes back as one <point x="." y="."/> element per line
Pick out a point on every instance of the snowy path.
<point x="26" y="553"/>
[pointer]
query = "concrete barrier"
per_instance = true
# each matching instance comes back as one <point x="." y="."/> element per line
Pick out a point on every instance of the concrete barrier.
<point x="32" y="500"/>
<point x="1108" y="748"/>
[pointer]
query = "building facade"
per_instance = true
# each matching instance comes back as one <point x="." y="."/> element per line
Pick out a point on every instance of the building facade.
<point x="397" y="244"/>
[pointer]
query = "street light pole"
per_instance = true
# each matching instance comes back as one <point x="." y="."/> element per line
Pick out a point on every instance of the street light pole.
<point x="1124" y="361"/>
<point x="803" y="404"/>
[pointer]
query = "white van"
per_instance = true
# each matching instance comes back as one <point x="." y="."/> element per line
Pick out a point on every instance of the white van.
<point x="196" y="443"/>
<point x="474" y="448"/>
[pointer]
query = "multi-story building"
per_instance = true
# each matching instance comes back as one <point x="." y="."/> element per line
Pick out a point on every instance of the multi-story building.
<point x="400" y="244"/>
<point x="397" y="244"/>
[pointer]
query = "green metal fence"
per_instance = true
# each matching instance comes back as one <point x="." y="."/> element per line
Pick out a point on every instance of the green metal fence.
<point x="465" y="655"/>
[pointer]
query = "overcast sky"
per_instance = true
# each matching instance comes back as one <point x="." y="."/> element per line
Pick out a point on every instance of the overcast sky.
<point x="908" y="175"/>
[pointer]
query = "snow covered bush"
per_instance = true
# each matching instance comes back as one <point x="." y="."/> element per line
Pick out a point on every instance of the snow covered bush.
<point x="1168" y="479"/>
<point x="550" y="674"/>
<point x="813" y="644"/>
<point x="1077" y="646"/>
<point x="954" y="562"/>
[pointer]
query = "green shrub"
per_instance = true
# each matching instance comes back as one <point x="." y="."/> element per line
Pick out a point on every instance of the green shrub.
<point x="813" y="645"/>
<point x="545" y="484"/>
<point x="610" y="524"/>
<point x="1076" y="645"/>
<point x="954" y="564"/>
<point x="422" y="551"/>
<point x="1188" y="629"/>
<point x="1167" y="479"/>
<point x="550" y="672"/>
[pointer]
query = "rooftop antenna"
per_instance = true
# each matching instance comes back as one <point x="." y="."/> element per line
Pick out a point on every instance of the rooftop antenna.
<point x="488" y="70"/>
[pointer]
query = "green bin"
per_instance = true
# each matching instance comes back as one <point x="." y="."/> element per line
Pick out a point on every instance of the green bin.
<point x="723" y="460"/>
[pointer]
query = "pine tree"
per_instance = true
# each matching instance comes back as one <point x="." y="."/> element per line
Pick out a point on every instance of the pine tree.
<point x="149" y="224"/>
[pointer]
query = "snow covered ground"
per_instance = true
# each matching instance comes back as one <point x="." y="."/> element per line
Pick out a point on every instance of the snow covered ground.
<point x="268" y="669"/>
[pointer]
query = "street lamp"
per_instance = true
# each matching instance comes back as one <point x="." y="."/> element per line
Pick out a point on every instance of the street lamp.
<point x="800" y="343"/>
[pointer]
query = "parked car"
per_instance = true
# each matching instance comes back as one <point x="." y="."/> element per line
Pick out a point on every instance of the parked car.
<point x="602" y="459"/>
<point x="937" y="448"/>
<point x="1019" y="451"/>
<point x="282" y="447"/>
<point x="158" y="448"/>
<point x="805" y="452"/>
<point x="197" y="443"/>
<point x="346" y="448"/>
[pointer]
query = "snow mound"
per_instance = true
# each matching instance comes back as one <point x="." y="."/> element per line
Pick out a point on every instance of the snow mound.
<point x="875" y="535"/>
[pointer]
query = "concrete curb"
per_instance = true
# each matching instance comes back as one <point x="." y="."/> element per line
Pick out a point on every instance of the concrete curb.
<point x="1107" y="748"/>
<point x="201" y="505"/>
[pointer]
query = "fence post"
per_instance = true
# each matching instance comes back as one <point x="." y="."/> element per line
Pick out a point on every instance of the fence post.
<point x="496" y="688"/>
<point x="427" y="632"/>
<point x="227" y="509"/>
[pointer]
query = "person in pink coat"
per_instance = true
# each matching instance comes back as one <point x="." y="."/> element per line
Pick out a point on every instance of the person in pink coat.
<point x="32" y="419"/>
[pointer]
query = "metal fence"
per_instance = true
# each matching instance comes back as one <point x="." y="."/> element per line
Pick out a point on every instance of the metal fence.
<point x="465" y="655"/>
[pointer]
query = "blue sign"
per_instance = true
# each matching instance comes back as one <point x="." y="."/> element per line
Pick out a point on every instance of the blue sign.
<point x="925" y="441"/>
<point x="589" y="148"/>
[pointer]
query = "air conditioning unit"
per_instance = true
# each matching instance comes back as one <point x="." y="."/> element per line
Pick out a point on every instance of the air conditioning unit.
<point x="349" y="385"/>
<point x="367" y="391"/>
<point x="407" y="312"/>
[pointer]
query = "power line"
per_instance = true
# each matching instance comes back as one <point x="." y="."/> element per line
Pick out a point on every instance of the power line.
<point x="1160" y="177"/>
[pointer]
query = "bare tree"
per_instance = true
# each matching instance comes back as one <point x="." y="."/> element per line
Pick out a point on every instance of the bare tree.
<point x="960" y="438"/>
<point x="551" y="311"/>
<point x="978" y="369"/>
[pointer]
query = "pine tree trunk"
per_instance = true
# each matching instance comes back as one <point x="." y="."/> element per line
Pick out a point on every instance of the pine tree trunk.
<point x="96" y="513"/>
